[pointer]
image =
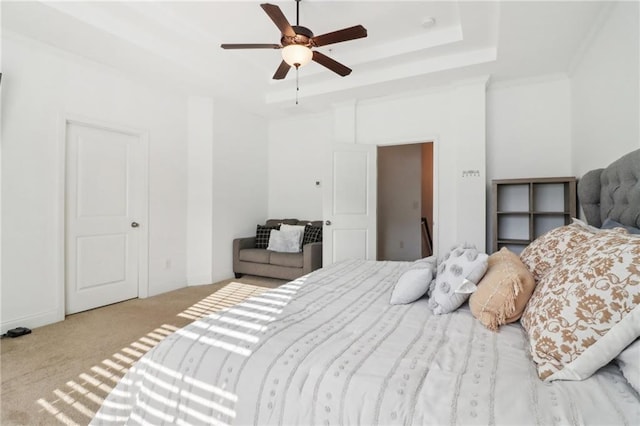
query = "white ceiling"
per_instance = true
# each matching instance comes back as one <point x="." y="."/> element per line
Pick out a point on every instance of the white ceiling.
<point x="178" y="44"/>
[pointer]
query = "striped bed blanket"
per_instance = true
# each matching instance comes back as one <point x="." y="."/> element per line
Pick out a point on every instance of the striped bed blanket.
<point x="329" y="349"/>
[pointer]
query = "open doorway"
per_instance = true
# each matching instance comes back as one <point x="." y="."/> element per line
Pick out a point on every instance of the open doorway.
<point x="405" y="201"/>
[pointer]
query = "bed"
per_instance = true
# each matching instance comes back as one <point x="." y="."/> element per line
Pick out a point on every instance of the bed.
<point x="329" y="348"/>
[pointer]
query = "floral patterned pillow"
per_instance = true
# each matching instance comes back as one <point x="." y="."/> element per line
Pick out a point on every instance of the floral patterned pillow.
<point x="586" y="310"/>
<point x="546" y="251"/>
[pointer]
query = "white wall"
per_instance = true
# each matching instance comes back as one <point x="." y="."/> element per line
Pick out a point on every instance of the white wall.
<point x="453" y="117"/>
<point x="468" y="117"/>
<point x="200" y="190"/>
<point x="528" y="131"/>
<point x="297" y="149"/>
<point x="39" y="86"/>
<point x="240" y="181"/>
<point x="399" y="202"/>
<point x="529" y="128"/>
<point x="605" y="89"/>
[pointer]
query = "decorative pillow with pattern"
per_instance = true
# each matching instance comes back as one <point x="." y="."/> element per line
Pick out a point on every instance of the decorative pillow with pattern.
<point x="586" y="310"/>
<point x="546" y="251"/>
<point x="262" y="235"/>
<point x="414" y="283"/>
<point x="312" y="234"/>
<point x="503" y="292"/>
<point x="461" y="266"/>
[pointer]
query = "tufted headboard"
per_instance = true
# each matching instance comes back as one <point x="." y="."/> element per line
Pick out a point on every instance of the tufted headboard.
<point x="612" y="192"/>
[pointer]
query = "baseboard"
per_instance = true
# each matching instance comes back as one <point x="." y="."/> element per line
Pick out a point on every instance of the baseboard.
<point x="199" y="280"/>
<point x="33" y="321"/>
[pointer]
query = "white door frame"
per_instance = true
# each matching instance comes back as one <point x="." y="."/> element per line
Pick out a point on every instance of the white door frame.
<point x="143" y="232"/>
<point x="436" y="192"/>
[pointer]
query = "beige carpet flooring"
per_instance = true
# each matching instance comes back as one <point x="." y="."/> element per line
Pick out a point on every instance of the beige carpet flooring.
<point x="60" y="373"/>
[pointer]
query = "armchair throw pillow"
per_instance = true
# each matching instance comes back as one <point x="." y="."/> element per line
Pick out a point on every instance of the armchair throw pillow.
<point x="262" y="235"/>
<point x="294" y="232"/>
<point x="312" y="234"/>
<point x="284" y="242"/>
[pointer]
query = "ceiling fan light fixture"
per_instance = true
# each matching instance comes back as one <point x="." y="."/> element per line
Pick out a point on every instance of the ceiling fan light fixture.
<point x="296" y="55"/>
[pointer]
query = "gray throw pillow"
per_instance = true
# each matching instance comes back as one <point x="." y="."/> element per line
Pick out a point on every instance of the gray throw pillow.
<point x="460" y="267"/>
<point x="610" y="224"/>
<point x="414" y="283"/>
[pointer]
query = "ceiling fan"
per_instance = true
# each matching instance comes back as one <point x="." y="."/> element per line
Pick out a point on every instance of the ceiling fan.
<point x="297" y="43"/>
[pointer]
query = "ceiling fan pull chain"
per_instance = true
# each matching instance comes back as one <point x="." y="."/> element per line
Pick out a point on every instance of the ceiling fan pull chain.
<point x="297" y="86"/>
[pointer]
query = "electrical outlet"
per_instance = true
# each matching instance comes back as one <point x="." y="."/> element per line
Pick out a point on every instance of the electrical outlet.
<point x="167" y="264"/>
<point x="401" y="244"/>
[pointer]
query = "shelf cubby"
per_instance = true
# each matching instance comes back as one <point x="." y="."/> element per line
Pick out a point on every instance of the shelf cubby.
<point x="524" y="209"/>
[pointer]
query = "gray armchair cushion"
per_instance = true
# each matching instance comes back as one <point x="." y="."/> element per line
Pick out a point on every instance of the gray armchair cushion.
<point x="255" y="255"/>
<point x="290" y="260"/>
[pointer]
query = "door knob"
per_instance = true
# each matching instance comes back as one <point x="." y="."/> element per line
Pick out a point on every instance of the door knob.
<point x="134" y="224"/>
<point x="328" y="222"/>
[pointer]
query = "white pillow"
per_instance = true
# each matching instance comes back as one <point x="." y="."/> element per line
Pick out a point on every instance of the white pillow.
<point x="297" y="230"/>
<point x="284" y="242"/>
<point x="414" y="283"/>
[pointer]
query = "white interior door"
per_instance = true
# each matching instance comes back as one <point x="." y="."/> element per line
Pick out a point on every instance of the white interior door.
<point x="349" y="204"/>
<point x="103" y="198"/>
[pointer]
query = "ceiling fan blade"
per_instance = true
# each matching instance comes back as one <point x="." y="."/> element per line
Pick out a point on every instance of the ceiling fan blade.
<point x="282" y="71"/>
<point x="279" y="19"/>
<point x="345" y="34"/>
<point x="333" y="65"/>
<point x="250" y="46"/>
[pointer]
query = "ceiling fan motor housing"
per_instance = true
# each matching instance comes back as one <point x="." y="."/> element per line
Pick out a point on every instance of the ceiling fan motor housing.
<point x="303" y="36"/>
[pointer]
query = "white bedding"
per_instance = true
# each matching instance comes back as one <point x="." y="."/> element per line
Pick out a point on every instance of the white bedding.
<point x="329" y="349"/>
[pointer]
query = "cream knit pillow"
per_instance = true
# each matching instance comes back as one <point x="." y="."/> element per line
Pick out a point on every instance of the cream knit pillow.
<point x="503" y="292"/>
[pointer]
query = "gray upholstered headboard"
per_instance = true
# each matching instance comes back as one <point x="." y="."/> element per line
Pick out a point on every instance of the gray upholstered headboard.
<point x="612" y="192"/>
